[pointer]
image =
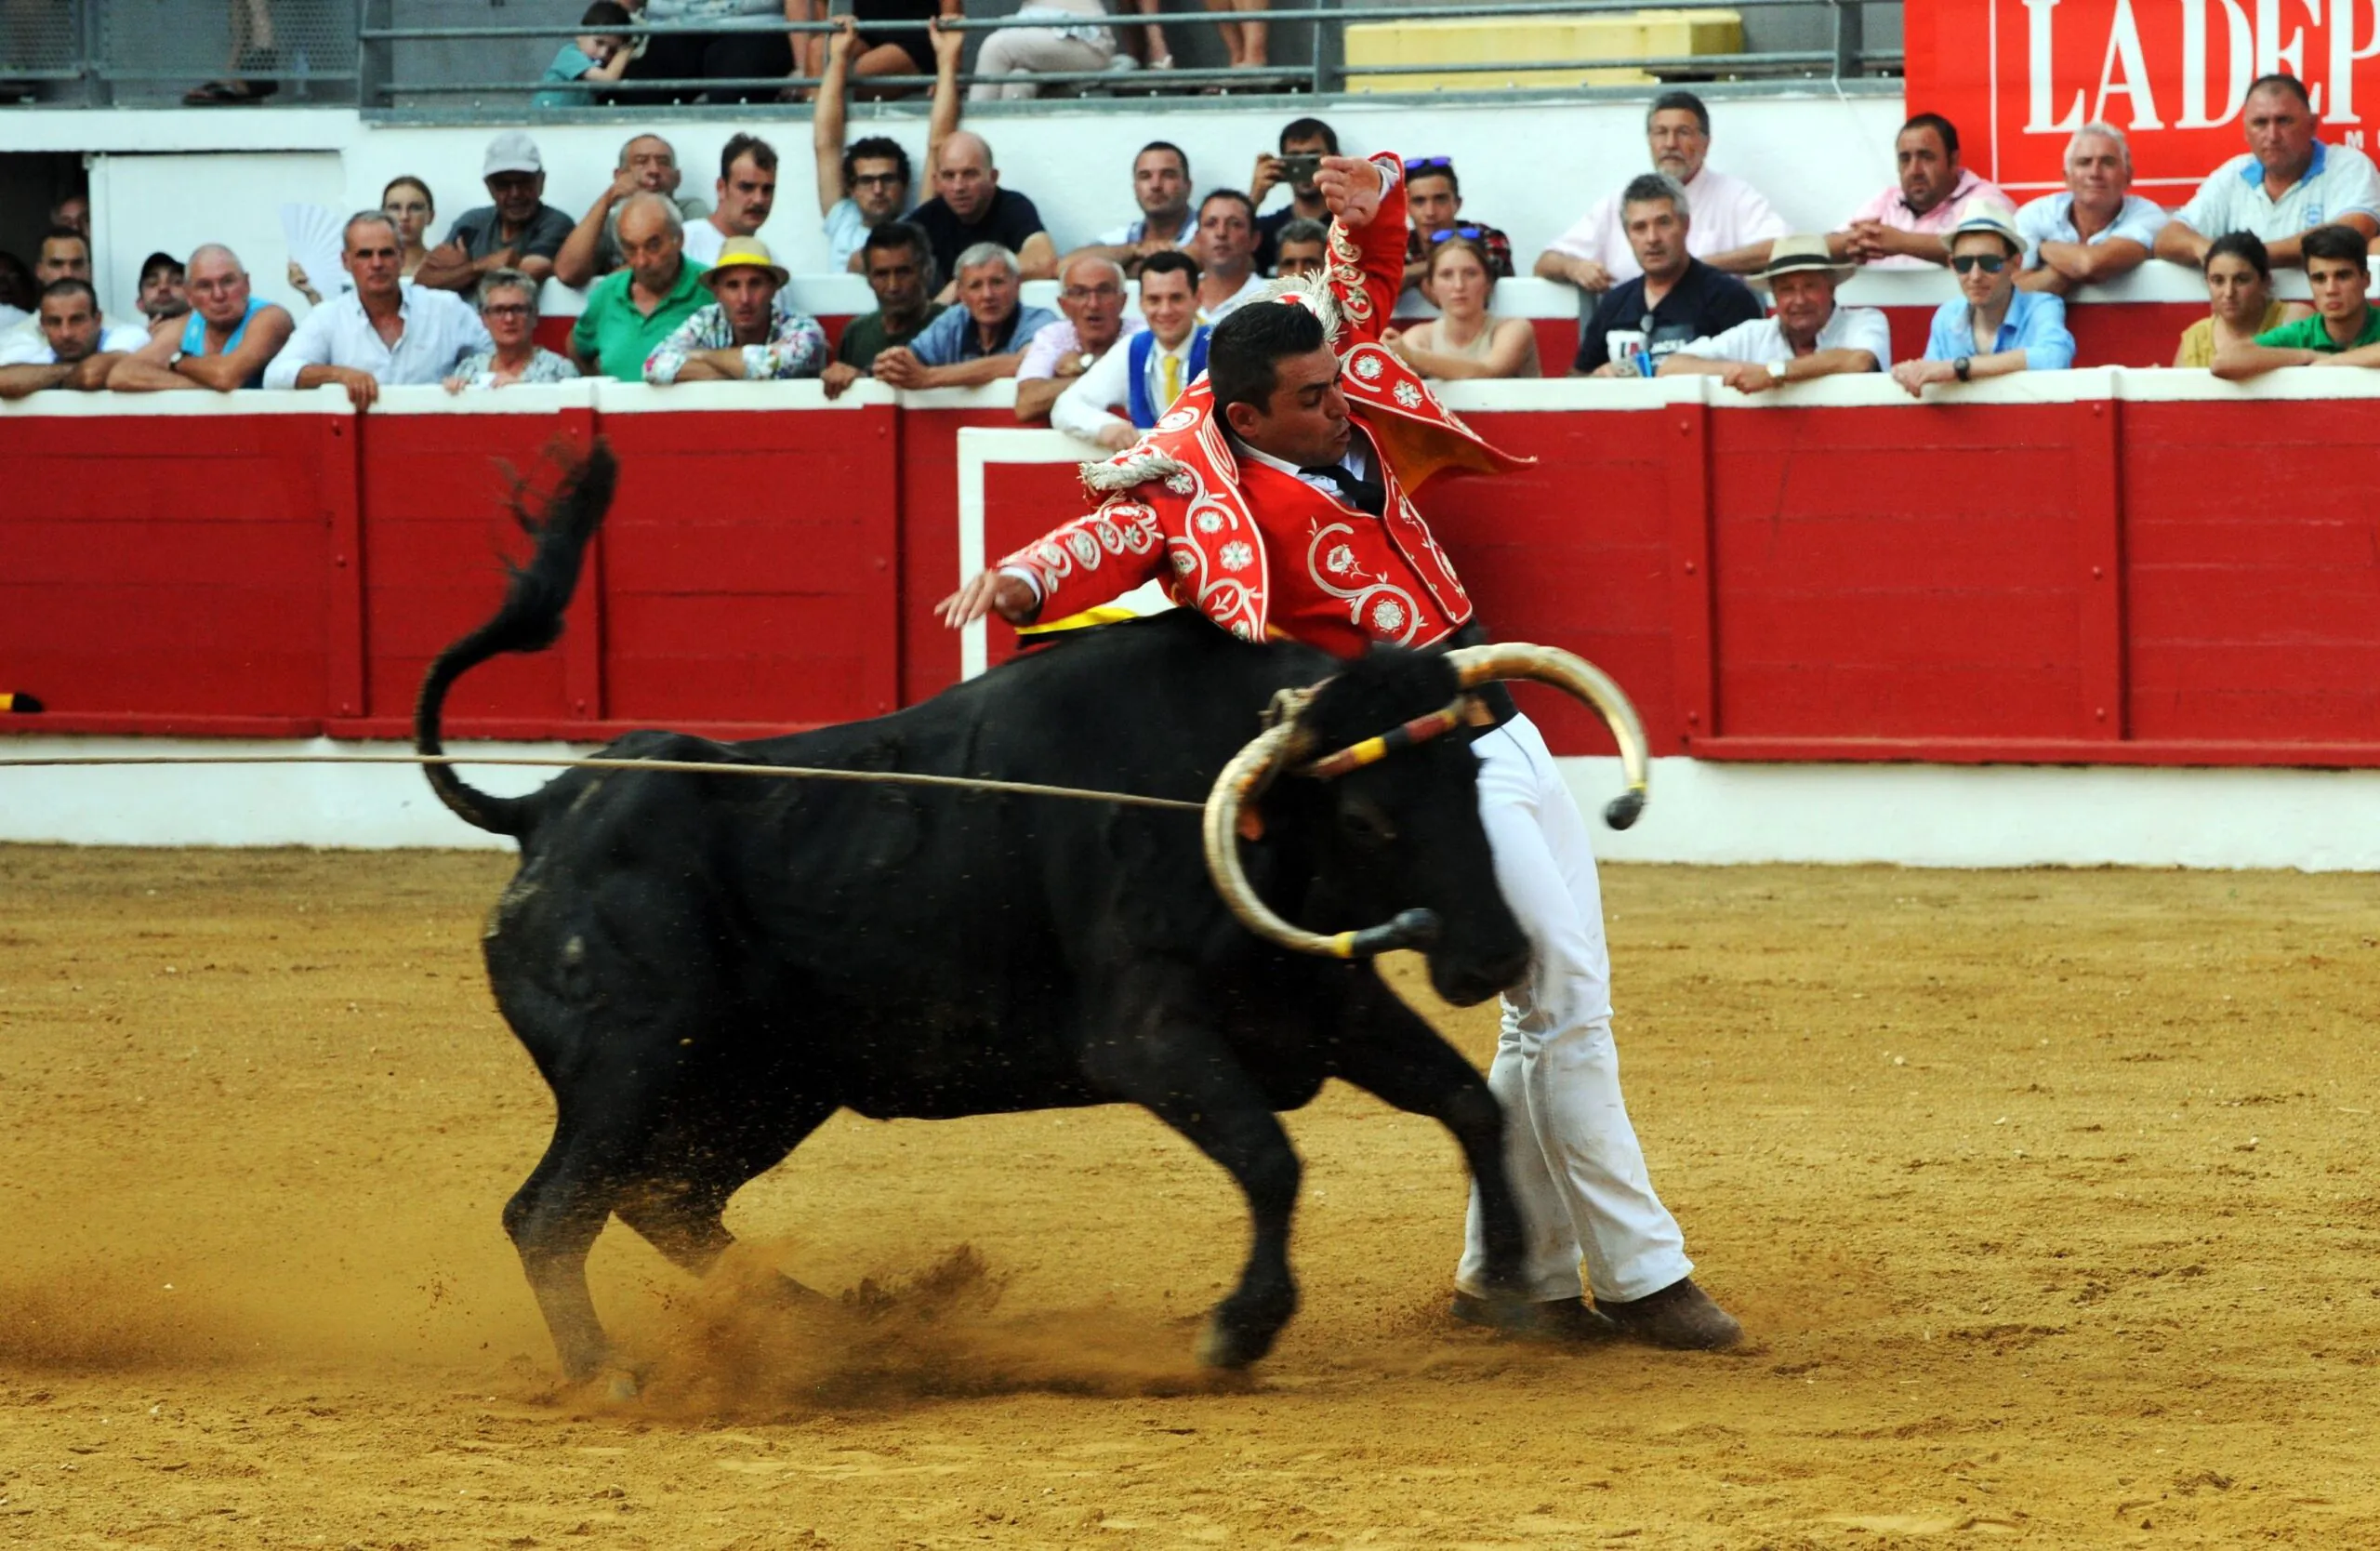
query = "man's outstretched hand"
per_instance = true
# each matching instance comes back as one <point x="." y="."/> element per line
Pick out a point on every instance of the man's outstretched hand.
<point x="1351" y="187"/>
<point x="991" y="593"/>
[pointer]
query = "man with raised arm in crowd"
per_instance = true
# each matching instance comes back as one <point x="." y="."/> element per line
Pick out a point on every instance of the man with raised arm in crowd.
<point x="1090" y="294"/>
<point x="747" y="191"/>
<point x="1992" y="329"/>
<point x="383" y="334"/>
<point x="1161" y="188"/>
<point x="1677" y="297"/>
<point x="1434" y="200"/>
<point x="1145" y="374"/>
<point x="226" y="344"/>
<point x="648" y="164"/>
<point x="631" y="310"/>
<point x="2345" y="330"/>
<point x="1303" y="142"/>
<point x="1807" y="335"/>
<point x="1316" y="457"/>
<point x="899" y="265"/>
<point x="752" y="333"/>
<point x="2288" y="184"/>
<point x="980" y="340"/>
<point x="1226" y="254"/>
<point x="864" y="185"/>
<point x="2098" y="227"/>
<point x="1904" y="225"/>
<point x="75" y="349"/>
<point x="518" y="231"/>
<point x="1732" y="224"/>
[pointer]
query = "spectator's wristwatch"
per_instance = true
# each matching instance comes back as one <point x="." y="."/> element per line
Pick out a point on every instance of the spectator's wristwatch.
<point x="1964" y="367"/>
<point x="176" y="359"/>
<point x="1777" y="371"/>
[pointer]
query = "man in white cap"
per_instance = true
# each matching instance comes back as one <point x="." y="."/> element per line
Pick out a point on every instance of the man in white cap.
<point x="750" y="334"/>
<point x="1807" y="335"/>
<point x="1993" y="327"/>
<point x="519" y="231"/>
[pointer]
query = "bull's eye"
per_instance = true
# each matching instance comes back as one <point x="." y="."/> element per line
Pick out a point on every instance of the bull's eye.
<point x="1366" y="826"/>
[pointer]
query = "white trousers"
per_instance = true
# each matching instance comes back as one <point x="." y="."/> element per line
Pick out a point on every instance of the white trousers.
<point x="1016" y="52"/>
<point x="1573" y="1156"/>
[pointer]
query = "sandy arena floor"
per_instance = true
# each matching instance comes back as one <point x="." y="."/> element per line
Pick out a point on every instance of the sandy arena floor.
<point x="2049" y="1196"/>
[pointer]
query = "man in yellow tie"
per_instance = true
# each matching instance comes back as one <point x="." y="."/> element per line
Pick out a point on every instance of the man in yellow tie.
<point x="1143" y="374"/>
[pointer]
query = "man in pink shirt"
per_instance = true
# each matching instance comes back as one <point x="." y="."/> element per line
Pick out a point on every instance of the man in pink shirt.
<point x="1903" y="227"/>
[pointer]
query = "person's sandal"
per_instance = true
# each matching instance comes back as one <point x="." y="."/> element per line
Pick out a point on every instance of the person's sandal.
<point x="243" y="91"/>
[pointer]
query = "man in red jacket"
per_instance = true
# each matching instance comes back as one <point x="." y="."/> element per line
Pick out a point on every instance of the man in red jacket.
<point x="1275" y="499"/>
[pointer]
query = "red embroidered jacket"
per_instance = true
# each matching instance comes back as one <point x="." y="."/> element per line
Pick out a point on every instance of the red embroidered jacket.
<point x="1259" y="551"/>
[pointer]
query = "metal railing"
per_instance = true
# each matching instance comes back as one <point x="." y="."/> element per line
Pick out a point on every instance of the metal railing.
<point x="107" y="53"/>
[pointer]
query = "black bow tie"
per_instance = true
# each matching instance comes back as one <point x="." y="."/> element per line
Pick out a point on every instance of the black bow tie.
<point x="1362" y="493"/>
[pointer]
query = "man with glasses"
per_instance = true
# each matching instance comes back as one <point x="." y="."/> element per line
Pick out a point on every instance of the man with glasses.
<point x="518" y="231"/>
<point x="226" y="342"/>
<point x="1146" y="372"/>
<point x="381" y="334"/>
<point x="1434" y="204"/>
<point x="1993" y="327"/>
<point x="866" y="184"/>
<point x="1091" y="297"/>
<point x="1732" y="224"/>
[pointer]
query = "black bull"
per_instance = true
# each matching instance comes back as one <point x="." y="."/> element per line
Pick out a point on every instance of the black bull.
<point x="705" y="967"/>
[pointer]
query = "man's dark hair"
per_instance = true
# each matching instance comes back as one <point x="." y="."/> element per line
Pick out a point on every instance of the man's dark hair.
<point x="15" y="282"/>
<point x="1179" y="155"/>
<point x="1440" y="166"/>
<point x="763" y="154"/>
<point x="1245" y="203"/>
<point x="2277" y="82"/>
<point x="2334" y="243"/>
<point x="1171" y="260"/>
<point x="606" y="13"/>
<point x="1244" y="352"/>
<point x="156" y="261"/>
<point x="69" y="287"/>
<point x="1302" y="231"/>
<point x="66" y="234"/>
<point x="1679" y="101"/>
<point x="2244" y="246"/>
<point x="1308" y="129"/>
<point x="876" y="148"/>
<point x="902" y="233"/>
<point x="1940" y="125"/>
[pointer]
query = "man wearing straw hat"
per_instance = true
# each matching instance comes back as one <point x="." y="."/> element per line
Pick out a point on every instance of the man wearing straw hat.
<point x="1993" y="327"/>
<point x="1807" y="335"/>
<point x="1275" y="497"/>
<point x="750" y="334"/>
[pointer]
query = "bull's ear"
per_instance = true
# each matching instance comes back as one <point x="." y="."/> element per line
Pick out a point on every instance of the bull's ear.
<point x="1251" y="824"/>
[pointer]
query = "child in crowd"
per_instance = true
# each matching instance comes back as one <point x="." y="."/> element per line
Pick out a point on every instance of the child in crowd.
<point x="589" y="58"/>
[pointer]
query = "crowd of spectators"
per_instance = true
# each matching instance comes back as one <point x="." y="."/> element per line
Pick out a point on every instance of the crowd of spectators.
<point x="1669" y="266"/>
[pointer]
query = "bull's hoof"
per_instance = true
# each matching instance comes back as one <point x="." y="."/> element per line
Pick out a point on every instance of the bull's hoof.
<point x="622" y="1386"/>
<point x="1225" y="1343"/>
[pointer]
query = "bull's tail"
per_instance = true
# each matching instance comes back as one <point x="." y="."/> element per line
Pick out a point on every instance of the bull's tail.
<point x="530" y="620"/>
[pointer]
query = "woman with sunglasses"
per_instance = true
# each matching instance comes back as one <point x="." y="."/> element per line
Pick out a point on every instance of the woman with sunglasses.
<point x="1993" y="328"/>
<point x="1464" y="339"/>
<point x="509" y="308"/>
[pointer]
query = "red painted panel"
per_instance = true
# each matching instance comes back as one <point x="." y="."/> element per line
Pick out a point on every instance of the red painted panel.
<point x="929" y="529"/>
<point x="1022" y="501"/>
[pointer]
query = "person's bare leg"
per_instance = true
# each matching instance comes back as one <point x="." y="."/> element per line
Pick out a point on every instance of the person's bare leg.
<point x="1229" y="32"/>
<point x="1157" y="55"/>
<point x="1254" y="36"/>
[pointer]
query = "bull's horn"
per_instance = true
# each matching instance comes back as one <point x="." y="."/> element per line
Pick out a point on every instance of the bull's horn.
<point x="1583" y="681"/>
<point x="1249" y="772"/>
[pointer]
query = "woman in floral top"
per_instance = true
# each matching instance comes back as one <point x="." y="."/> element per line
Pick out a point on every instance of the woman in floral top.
<point x="508" y="307"/>
<point x="750" y="334"/>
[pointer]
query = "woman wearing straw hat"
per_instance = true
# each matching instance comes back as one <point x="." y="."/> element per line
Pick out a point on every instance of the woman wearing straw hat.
<point x="750" y="334"/>
<point x="1993" y="328"/>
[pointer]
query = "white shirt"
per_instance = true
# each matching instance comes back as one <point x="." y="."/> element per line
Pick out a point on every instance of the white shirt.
<point x="1131" y="233"/>
<point x="26" y="345"/>
<point x="11" y="316"/>
<point x="2051" y="219"/>
<point x="1083" y="409"/>
<point x="1237" y="299"/>
<point x="1760" y="340"/>
<point x="705" y="240"/>
<point x="439" y="328"/>
<point x="2341" y="182"/>
<point x="1727" y="213"/>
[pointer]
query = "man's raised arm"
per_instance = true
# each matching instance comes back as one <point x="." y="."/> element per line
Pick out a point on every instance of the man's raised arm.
<point x="1366" y="201"/>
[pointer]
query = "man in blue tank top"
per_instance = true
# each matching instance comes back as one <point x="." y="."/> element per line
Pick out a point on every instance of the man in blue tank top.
<point x="224" y="344"/>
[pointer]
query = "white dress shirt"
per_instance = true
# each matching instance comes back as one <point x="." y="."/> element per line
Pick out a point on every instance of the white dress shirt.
<point x="1237" y="299"/>
<point x="1082" y="410"/>
<point x="703" y="241"/>
<point x="1726" y="213"/>
<point x="1762" y="340"/>
<point x="440" y="329"/>
<point x="30" y="346"/>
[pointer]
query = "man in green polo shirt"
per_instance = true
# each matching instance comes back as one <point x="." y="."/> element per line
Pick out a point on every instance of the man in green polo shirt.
<point x="2345" y="330"/>
<point x="632" y="310"/>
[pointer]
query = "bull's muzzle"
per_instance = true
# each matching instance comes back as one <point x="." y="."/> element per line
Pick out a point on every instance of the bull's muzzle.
<point x="1289" y="744"/>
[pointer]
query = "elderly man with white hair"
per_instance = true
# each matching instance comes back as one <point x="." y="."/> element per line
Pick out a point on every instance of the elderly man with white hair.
<point x="225" y="343"/>
<point x="1090" y="294"/>
<point x="980" y="340"/>
<point x="2098" y="227"/>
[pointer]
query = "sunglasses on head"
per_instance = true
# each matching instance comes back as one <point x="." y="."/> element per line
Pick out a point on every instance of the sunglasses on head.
<point x="1417" y="164"/>
<point x="1442" y="233"/>
<point x="1990" y="263"/>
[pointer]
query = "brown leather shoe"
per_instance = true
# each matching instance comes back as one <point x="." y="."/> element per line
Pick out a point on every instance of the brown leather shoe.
<point x="1563" y="1319"/>
<point x="1680" y="1317"/>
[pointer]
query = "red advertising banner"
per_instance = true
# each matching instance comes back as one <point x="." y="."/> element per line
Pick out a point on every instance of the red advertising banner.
<point x="2019" y="77"/>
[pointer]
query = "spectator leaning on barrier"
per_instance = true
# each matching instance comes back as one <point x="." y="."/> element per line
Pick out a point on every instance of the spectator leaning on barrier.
<point x="1903" y="227"/>
<point x="407" y="204"/>
<point x="1993" y="328"/>
<point x="865" y="184"/>
<point x="2345" y="330"/>
<point x="747" y="191"/>
<point x="75" y="349"/>
<point x="1226" y="253"/>
<point x="969" y="209"/>
<point x="752" y="333"/>
<point x="2239" y="301"/>
<point x="1301" y="248"/>
<point x="1433" y="206"/>
<point x="980" y="340"/>
<point x="1676" y="298"/>
<point x="900" y="272"/>
<point x="593" y="56"/>
<point x="519" y="231"/>
<point x="1464" y="339"/>
<point x="1807" y="335"/>
<point x="383" y="334"/>
<point x="648" y="164"/>
<point x="1090" y="294"/>
<point x="1148" y="371"/>
<point x="2288" y="184"/>
<point x="65" y="254"/>
<point x="1733" y="224"/>
<point x="509" y="309"/>
<point x="163" y="288"/>
<point x="226" y="344"/>
<point x="1303" y="142"/>
<point x="631" y="310"/>
<point x="1161" y="188"/>
<point x="2098" y="227"/>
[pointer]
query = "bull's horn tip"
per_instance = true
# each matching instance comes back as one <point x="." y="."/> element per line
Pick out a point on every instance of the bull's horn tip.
<point x="1625" y="810"/>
